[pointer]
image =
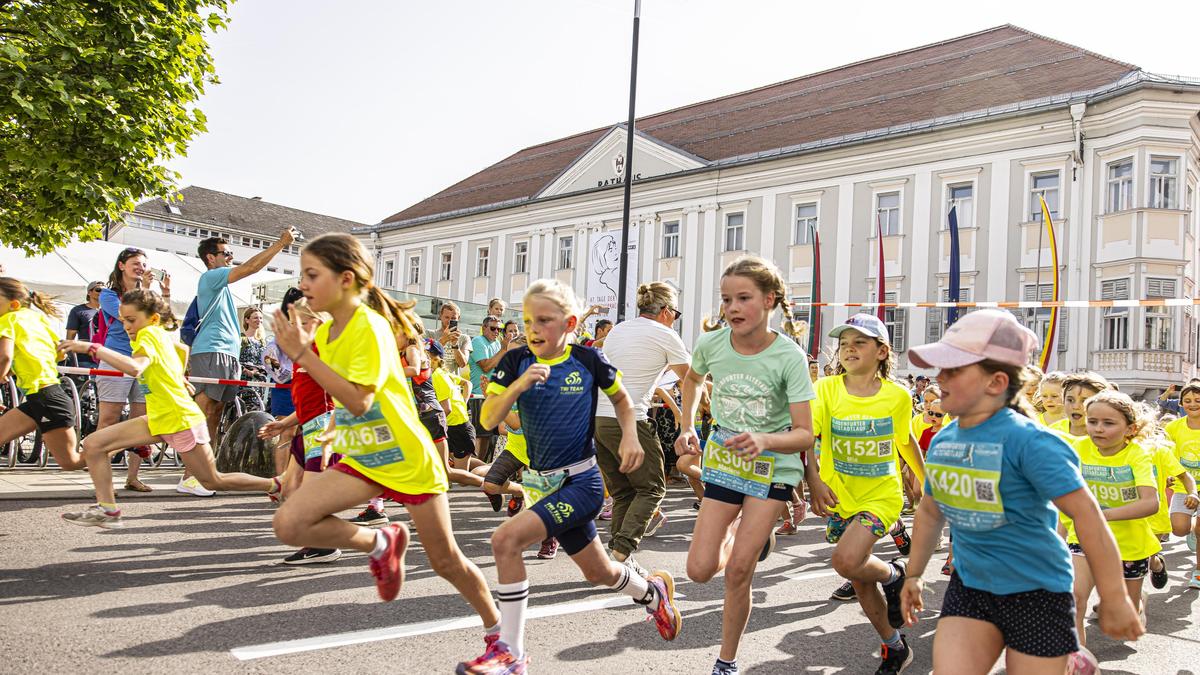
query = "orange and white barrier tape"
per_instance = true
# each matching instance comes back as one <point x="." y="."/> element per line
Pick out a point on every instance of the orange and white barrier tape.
<point x="71" y="370"/>
<point x="1015" y="304"/>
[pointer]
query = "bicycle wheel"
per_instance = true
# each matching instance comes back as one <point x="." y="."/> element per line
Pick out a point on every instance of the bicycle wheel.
<point x="8" y="394"/>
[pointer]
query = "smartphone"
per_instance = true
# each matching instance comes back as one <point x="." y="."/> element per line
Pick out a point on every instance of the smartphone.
<point x="158" y="274"/>
<point x="453" y="324"/>
<point x="605" y="310"/>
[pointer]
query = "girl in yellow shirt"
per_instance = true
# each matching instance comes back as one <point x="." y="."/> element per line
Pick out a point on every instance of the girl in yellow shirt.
<point x="171" y="414"/>
<point x="1049" y="400"/>
<point x="1185" y="433"/>
<point x="385" y="449"/>
<point x="28" y="351"/>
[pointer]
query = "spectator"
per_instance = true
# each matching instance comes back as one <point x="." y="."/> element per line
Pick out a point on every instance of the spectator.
<point x="454" y="342"/>
<point x="496" y="308"/>
<point x="1168" y="401"/>
<point x="250" y="358"/>
<point x="917" y="389"/>
<point x="279" y="369"/>
<point x="603" y="326"/>
<point x="81" y="318"/>
<point x="486" y="352"/>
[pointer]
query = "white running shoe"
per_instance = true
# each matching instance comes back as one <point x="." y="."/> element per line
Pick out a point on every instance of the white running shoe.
<point x="191" y="486"/>
<point x="656" y="521"/>
<point x="96" y="517"/>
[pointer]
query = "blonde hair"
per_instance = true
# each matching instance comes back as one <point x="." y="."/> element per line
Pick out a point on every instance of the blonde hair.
<point x="341" y="252"/>
<point x="768" y="279"/>
<point x="1139" y="417"/>
<point x="13" y="289"/>
<point x="261" y="333"/>
<point x="711" y="323"/>
<point x="1089" y="379"/>
<point x="556" y="292"/>
<point x="887" y="367"/>
<point x="656" y="296"/>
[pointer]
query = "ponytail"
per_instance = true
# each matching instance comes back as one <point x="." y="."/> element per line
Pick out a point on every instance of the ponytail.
<point x="399" y="314"/>
<point x="12" y="289"/>
<point x="1014" y="395"/>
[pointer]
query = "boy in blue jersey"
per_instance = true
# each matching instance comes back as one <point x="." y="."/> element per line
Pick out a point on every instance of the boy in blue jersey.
<point x="557" y="386"/>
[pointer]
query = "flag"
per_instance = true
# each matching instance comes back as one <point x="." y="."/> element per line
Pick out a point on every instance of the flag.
<point x="1052" y="328"/>
<point x="814" y="310"/>
<point x="955" y="271"/>
<point x="882" y="284"/>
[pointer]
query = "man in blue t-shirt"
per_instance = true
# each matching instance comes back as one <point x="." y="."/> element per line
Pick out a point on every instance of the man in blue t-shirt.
<point x="218" y="336"/>
<point x="486" y="351"/>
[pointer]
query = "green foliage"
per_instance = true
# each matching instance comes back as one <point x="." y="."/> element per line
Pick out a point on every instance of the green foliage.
<point x="94" y="96"/>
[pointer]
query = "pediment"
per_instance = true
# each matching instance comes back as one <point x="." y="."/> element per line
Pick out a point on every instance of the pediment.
<point x="603" y="163"/>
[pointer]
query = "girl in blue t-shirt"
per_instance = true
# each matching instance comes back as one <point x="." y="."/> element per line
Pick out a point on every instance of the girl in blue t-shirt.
<point x="994" y="474"/>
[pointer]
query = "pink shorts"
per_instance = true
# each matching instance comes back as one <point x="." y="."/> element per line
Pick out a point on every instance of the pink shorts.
<point x="184" y="441"/>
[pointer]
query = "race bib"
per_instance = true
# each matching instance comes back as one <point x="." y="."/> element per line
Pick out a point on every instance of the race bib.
<point x="368" y="439"/>
<point x="1190" y="459"/>
<point x="537" y="487"/>
<point x="722" y="467"/>
<point x="863" y="447"/>
<point x="309" y="432"/>
<point x="964" y="479"/>
<point x="1113" y="486"/>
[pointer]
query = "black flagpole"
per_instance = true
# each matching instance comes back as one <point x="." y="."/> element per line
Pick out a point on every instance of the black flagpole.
<point x="629" y="130"/>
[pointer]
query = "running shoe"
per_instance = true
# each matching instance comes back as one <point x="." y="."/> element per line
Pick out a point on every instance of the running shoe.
<point x="388" y="570"/>
<point x="135" y="485"/>
<point x="666" y="617"/>
<point x="1194" y="582"/>
<point x="900" y="537"/>
<point x="369" y="517"/>
<point x="767" y="547"/>
<point x="894" y="660"/>
<point x="191" y="486"/>
<point x="947" y="569"/>
<point x="96" y="517"/>
<point x="696" y="505"/>
<point x="275" y="494"/>
<point x="799" y="511"/>
<point x="908" y="510"/>
<point x="786" y="528"/>
<point x="606" y="512"/>
<point x="891" y="592"/>
<point x="497" y="501"/>
<point x="1160" y="578"/>
<point x="635" y="566"/>
<point x="142" y="451"/>
<point x="310" y="556"/>
<point x="1082" y="662"/>
<point x="495" y="660"/>
<point x="656" y="522"/>
<point x="515" y="504"/>
<point x="549" y="549"/>
<point x="844" y="593"/>
<point x="722" y="669"/>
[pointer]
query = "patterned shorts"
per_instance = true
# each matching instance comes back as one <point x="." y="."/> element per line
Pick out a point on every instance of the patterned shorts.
<point x="835" y="527"/>
<point x="1132" y="569"/>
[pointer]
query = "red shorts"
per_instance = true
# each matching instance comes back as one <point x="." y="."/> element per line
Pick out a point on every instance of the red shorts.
<point x="384" y="491"/>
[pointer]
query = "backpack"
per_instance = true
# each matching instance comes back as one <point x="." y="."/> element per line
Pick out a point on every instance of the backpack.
<point x="100" y="327"/>
<point x="192" y="320"/>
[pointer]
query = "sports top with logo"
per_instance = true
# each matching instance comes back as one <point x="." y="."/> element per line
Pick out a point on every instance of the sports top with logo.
<point x="35" y="346"/>
<point x="387" y="443"/>
<point x="1115" y="480"/>
<point x="860" y="437"/>
<point x="558" y="415"/>
<point x="1187" y="445"/>
<point x="755" y="392"/>
<point x="994" y="483"/>
<point x="169" y="407"/>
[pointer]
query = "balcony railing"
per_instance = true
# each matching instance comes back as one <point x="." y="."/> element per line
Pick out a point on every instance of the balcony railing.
<point x="1144" y="360"/>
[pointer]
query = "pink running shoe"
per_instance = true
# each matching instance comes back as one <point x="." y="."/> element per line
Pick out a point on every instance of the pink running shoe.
<point x="389" y="569"/>
<point x="497" y="660"/>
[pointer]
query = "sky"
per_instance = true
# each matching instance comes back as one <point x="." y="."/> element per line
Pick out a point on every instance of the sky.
<point x="360" y="109"/>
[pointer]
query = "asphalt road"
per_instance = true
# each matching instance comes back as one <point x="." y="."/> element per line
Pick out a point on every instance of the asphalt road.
<point x="191" y="584"/>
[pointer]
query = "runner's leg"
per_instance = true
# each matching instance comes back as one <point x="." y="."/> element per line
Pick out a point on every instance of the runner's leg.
<point x="306" y="519"/>
<point x="201" y="464"/>
<point x="433" y="523"/>
<point x="852" y="559"/>
<point x="968" y="646"/>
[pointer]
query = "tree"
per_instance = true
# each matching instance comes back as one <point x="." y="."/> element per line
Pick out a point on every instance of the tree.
<point x="94" y="96"/>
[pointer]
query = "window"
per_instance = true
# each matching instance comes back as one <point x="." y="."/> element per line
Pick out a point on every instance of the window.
<point x="1045" y="186"/>
<point x="1160" y="324"/>
<point x="887" y="213"/>
<point x="670" y="240"/>
<point x="447" y="265"/>
<point x="287" y="271"/>
<point x="414" y="269"/>
<point x="482" y="258"/>
<point x="566" y="252"/>
<point x="935" y="320"/>
<point x="735" y="232"/>
<point x="1114" y="329"/>
<point x="521" y="257"/>
<point x="963" y="197"/>
<point x="1038" y="319"/>
<point x="806" y="224"/>
<point x="1163" y="190"/>
<point x="1120" y="186"/>
<point x="389" y="274"/>
<point x="801" y="310"/>
<point x="895" y="318"/>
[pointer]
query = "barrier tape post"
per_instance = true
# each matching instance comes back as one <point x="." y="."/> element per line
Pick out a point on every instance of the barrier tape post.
<point x="71" y="370"/>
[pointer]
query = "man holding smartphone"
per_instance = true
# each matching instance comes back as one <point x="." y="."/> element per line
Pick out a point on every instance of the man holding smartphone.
<point x="453" y="342"/>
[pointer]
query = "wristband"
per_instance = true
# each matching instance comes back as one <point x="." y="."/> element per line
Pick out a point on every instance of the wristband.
<point x="91" y="351"/>
<point x="297" y="358"/>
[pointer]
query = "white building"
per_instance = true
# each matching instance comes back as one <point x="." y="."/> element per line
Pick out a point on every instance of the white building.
<point x="988" y="121"/>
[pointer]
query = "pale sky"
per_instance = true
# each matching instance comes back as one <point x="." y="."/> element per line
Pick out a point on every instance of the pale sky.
<point x="360" y="109"/>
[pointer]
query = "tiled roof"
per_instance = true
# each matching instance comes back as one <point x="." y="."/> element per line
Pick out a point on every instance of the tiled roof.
<point x="245" y="214"/>
<point x="995" y="67"/>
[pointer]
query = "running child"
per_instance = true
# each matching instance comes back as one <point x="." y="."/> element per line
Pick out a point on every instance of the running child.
<point x="761" y="423"/>
<point x="29" y="350"/>
<point x="1185" y="432"/>
<point x="997" y="476"/>
<point x="385" y="449"/>
<point x="1050" y="398"/>
<point x="864" y="421"/>
<point x="1167" y="469"/>
<point x="556" y="384"/>
<point x="171" y="414"/>
<point x="1077" y="388"/>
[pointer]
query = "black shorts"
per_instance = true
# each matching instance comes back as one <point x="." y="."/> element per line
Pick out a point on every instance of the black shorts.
<point x="474" y="406"/>
<point x="461" y="439"/>
<point x="1037" y="623"/>
<point x="1131" y="569"/>
<point x="779" y="491"/>
<point x="504" y="468"/>
<point x="50" y="408"/>
<point x="435" y="422"/>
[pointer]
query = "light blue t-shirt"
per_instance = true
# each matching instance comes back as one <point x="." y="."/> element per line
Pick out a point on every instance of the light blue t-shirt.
<point x="994" y="483"/>
<point x="481" y="348"/>
<point x="110" y="313"/>
<point x="218" y="331"/>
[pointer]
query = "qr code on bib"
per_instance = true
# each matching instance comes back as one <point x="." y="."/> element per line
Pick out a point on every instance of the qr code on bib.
<point x="382" y="434"/>
<point x="762" y="469"/>
<point x="985" y="491"/>
<point x="1129" y="494"/>
<point x="884" y="449"/>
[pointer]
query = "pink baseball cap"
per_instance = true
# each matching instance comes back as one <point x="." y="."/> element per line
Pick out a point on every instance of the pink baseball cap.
<point x="990" y="334"/>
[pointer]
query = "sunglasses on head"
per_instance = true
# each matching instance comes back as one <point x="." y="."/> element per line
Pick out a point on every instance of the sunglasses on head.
<point x="129" y="253"/>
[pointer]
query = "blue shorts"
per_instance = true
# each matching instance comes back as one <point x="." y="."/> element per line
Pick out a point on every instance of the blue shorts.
<point x="570" y="513"/>
<point x="281" y="403"/>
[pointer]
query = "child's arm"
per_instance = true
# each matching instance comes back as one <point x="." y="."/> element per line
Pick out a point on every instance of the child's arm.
<point x="6" y="356"/>
<point x="669" y="401"/>
<point x="497" y="404"/>
<point x="130" y="365"/>
<point x="512" y="420"/>
<point x="912" y="457"/>
<point x="690" y="386"/>
<point x="412" y="357"/>
<point x="275" y="427"/>
<point x="799" y="438"/>
<point x="1145" y="506"/>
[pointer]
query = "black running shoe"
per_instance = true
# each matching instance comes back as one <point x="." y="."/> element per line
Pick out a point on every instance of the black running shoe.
<point x="309" y="556"/>
<point x="891" y="592"/>
<point x="1159" y="579"/>
<point x="369" y="517"/>
<point x="497" y="501"/>
<point x="894" y="660"/>
<point x="900" y="538"/>
<point x="767" y="547"/>
<point x="844" y="593"/>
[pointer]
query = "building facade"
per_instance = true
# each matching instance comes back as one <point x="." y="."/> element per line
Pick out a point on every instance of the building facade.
<point x="988" y="122"/>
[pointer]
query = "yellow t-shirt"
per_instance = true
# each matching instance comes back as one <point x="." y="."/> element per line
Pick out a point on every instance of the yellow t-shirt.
<point x="1041" y="418"/>
<point x="35" y="348"/>
<point x="388" y="443"/>
<point x="860" y="438"/>
<point x="1187" y="445"/>
<point x="1165" y="465"/>
<point x="446" y="387"/>
<point x="1115" y="481"/>
<point x="516" y="443"/>
<point x="169" y="407"/>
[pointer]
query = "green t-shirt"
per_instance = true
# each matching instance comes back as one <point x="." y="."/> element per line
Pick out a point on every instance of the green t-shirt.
<point x="754" y="393"/>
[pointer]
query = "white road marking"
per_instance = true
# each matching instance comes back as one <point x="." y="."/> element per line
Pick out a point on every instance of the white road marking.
<point x="810" y="575"/>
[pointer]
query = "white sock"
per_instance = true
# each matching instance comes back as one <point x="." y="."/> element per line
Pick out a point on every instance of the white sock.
<point x="633" y="585"/>
<point x="381" y="543"/>
<point x="375" y="503"/>
<point x="513" y="599"/>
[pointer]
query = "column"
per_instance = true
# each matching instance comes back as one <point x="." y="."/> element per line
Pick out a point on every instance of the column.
<point x="845" y="237"/>
<point x="688" y="271"/>
<point x="767" y="237"/>
<point x="428" y="271"/>
<point x="709" y="260"/>
<point x="998" y="229"/>
<point x="921" y="272"/>
<point x="536" y="253"/>
<point x="500" y="252"/>
<point x="463" y="270"/>
<point x="646" y="255"/>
